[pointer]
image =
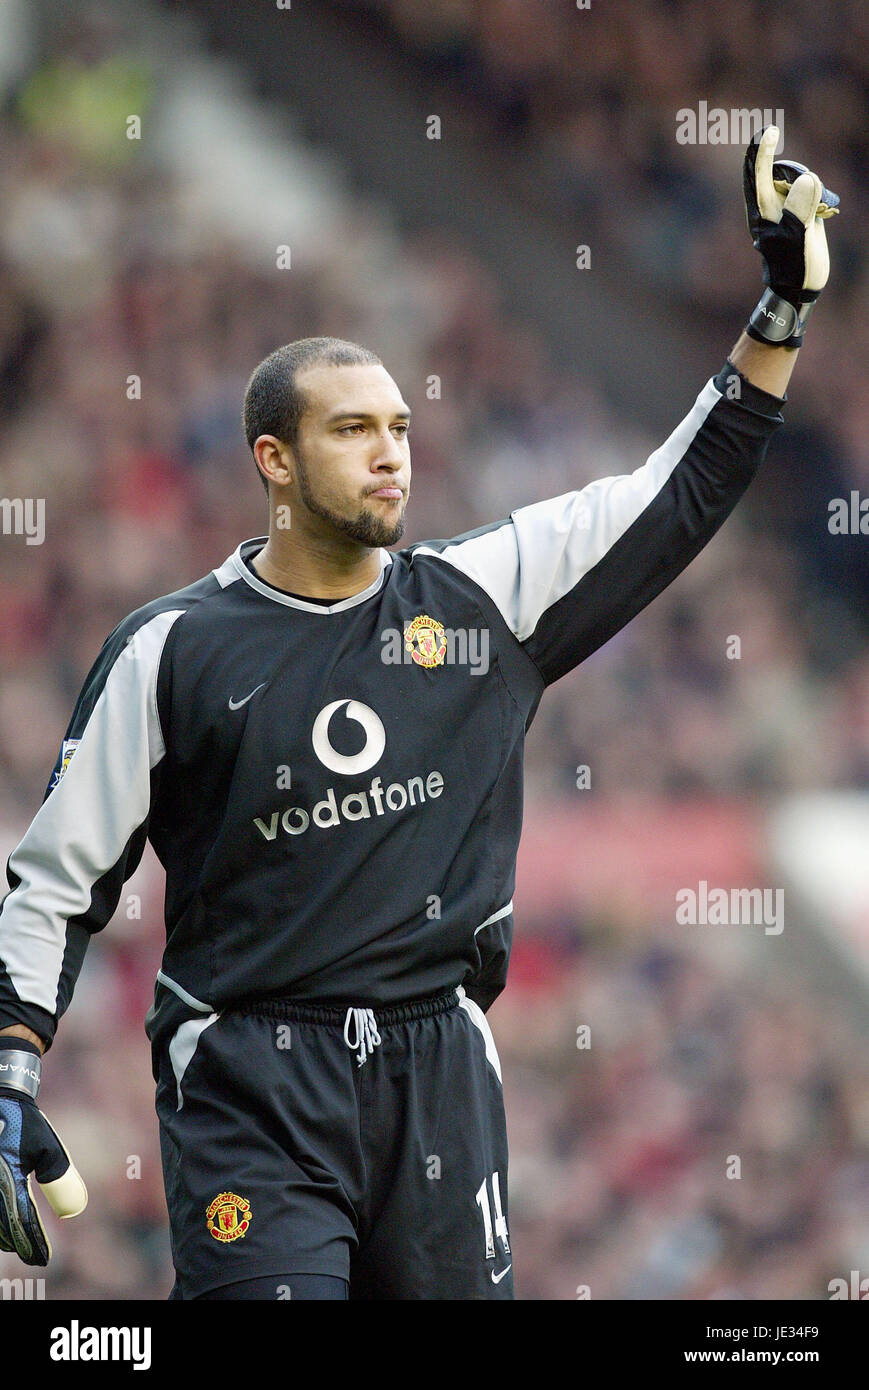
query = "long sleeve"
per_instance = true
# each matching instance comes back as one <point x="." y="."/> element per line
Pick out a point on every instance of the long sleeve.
<point x="66" y="875"/>
<point x="568" y="573"/>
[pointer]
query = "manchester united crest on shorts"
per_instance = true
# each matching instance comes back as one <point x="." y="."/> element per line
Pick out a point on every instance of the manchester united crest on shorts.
<point x="228" y="1217"/>
<point x="426" y="641"/>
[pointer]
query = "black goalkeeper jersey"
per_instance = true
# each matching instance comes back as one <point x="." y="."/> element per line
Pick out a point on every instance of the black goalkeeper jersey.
<point x="335" y="791"/>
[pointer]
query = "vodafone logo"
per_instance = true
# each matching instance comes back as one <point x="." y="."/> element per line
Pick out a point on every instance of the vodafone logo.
<point x="338" y="807"/>
<point x="375" y="738"/>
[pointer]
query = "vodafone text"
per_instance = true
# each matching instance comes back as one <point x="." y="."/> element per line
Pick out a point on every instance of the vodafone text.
<point x="295" y="820"/>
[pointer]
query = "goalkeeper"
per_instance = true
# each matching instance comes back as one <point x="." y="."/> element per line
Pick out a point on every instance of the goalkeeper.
<point x="307" y="908"/>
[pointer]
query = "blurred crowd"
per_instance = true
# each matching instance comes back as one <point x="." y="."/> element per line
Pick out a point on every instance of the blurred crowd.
<point x="708" y="1138"/>
<point x="591" y="96"/>
<point x="126" y="341"/>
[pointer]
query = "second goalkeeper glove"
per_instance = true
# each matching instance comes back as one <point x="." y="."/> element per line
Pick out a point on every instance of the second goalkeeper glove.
<point x="28" y="1144"/>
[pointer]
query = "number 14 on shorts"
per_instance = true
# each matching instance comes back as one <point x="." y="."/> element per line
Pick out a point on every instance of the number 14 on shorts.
<point x="499" y="1230"/>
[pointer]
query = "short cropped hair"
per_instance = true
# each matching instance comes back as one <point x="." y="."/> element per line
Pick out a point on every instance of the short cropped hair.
<point x="273" y="404"/>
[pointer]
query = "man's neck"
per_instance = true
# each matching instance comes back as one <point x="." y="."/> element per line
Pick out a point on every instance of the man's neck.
<point x="314" y="571"/>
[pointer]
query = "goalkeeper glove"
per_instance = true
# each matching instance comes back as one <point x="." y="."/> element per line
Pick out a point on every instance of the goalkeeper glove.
<point x="785" y="207"/>
<point x="28" y="1144"/>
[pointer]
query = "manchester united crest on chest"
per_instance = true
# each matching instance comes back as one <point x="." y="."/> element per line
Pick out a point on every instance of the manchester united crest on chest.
<point x="426" y="640"/>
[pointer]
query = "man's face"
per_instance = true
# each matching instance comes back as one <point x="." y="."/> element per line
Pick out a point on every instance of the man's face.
<point x="352" y="454"/>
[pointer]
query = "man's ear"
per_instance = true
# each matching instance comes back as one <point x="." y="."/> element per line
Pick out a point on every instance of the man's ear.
<point x="274" y="459"/>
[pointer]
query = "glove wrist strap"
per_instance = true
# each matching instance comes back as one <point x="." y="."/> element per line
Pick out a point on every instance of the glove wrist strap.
<point x="777" y="321"/>
<point x="20" y="1071"/>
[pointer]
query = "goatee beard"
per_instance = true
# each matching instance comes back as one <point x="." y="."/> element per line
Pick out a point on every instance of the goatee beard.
<point x="366" y="529"/>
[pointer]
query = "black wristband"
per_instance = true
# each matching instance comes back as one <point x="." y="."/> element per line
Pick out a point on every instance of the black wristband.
<point x="778" y="321"/>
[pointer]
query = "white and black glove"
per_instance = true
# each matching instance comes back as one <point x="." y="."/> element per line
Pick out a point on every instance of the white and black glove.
<point x="785" y="207"/>
<point x="28" y="1144"/>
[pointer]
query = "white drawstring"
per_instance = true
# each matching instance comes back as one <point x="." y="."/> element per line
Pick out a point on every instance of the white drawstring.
<point x="367" y="1036"/>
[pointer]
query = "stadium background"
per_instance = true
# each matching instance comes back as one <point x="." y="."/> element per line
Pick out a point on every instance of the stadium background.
<point x="156" y="257"/>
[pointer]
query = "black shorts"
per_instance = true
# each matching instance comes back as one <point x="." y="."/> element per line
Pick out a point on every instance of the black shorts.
<point x="302" y="1139"/>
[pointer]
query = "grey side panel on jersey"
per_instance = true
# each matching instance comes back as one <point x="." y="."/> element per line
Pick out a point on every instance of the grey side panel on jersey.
<point x="189" y="999"/>
<point x="530" y="561"/>
<point x="86" y="822"/>
<point x="493" y="939"/>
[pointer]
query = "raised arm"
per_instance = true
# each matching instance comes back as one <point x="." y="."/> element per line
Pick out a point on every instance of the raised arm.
<point x="566" y="574"/>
